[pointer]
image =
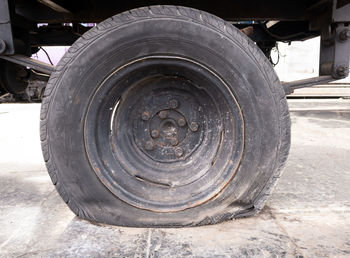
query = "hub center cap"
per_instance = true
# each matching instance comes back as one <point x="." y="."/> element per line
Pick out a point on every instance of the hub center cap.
<point x="166" y="134"/>
<point x="169" y="129"/>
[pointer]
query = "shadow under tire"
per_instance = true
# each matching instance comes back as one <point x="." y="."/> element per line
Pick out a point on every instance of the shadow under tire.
<point x="164" y="116"/>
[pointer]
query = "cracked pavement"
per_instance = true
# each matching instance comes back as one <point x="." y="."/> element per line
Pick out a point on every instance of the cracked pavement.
<point x="306" y="215"/>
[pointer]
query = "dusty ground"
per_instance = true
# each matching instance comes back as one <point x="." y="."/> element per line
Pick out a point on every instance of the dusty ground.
<point x="307" y="215"/>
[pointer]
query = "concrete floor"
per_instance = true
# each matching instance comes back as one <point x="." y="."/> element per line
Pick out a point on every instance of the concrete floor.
<point x="307" y="215"/>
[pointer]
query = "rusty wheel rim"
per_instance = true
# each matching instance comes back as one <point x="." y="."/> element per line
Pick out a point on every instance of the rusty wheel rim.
<point x="164" y="133"/>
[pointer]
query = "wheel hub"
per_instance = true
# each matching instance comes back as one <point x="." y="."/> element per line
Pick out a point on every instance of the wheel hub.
<point x="165" y="135"/>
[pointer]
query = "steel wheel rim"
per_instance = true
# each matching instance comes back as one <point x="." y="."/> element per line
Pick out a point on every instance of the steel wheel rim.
<point x="183" y="173"/>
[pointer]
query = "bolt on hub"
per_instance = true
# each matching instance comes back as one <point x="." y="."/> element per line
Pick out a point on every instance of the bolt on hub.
<point x="163" y="114"/>
<point x="194" y="127"/>
<point x="174" y="141"/>
<point x="179" y="152"/>
<point x="155" y="133"/>
<point x="181" y="122"/>
<point x="149" y="145"/>
<point x="173" y="103"/>
<point x="145" y="115"/>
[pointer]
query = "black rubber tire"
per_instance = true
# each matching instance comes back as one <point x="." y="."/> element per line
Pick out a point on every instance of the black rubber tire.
<point x="193" y="34"/>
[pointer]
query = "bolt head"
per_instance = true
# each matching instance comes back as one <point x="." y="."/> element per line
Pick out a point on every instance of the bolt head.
<point x="174" y="141"/>
<point x="181" y="122"/>
<point x="145" y="115"/>
<point x="155" y="133"/>
<point x="163" y="114"/>
<point x="344" y="34"/>
<point x="173" y="103"/>
<point x="194" y="127"/>
<point x="341" y="70"/>
<point x="179" y="152"/>
<point x="149" y="145"/>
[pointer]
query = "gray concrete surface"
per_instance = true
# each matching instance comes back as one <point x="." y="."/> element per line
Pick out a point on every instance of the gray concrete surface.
<point x="307" y="215"/>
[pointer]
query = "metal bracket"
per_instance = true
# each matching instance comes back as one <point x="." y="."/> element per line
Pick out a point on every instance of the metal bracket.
<point x="335" y="52"/>
<point x="334" y="58"/>
<point x="6" y="38"/>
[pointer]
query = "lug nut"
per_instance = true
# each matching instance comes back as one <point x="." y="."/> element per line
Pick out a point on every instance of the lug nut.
<point x="174" y="141"/>
<point x="145" y="116"/>
<point x="179" y="152"/>
<point x="163" y="114"/>
<point x="194" y="127"/>
<point x="173" y="103"/>
<point x="155" y="133"/>
<point x="149" y="145"/>
<point x="344" y="35"/>
<point x="342" y="71"/>
<point x="181" y="122"/>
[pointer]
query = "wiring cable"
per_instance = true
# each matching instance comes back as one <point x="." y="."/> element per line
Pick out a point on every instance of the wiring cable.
<point x="47" y="54"/>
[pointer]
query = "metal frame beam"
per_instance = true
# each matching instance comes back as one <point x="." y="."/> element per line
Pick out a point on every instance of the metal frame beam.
<point x="335" y="51"/>
<point x="54" y="6"/>
<point x="30" y="62"/>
